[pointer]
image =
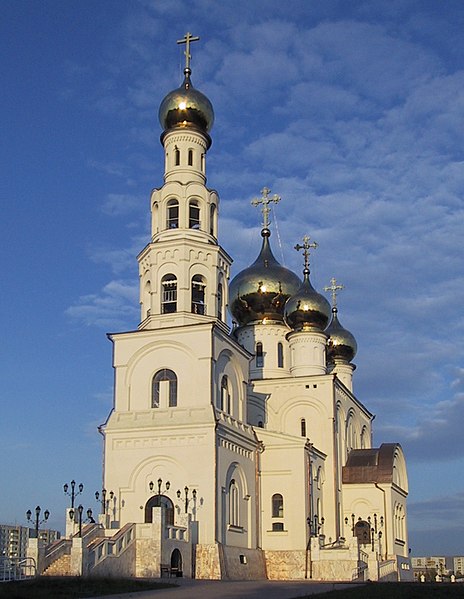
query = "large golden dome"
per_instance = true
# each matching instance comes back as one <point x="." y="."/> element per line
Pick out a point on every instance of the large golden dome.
<point x="307" y="309"/>
<point x="186" y="106"/>
<point x="258" y="293"/>
<point x="341" y="344"/>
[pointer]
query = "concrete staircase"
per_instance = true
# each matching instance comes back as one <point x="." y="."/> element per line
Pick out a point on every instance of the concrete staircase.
<point x="59" y="567"/>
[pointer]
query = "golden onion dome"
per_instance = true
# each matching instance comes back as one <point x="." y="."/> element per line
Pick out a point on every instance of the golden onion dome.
<point x="307" y="310"/>
<point x="186" y="107"/>
<point x="341" y="344"/>
<point x="258" y="293"/>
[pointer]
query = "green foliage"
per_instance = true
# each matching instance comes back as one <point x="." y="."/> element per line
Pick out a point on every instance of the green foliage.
<point x="74" y="588"/>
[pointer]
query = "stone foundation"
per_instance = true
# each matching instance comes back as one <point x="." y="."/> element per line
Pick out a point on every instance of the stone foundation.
<point x="207" y="562"/>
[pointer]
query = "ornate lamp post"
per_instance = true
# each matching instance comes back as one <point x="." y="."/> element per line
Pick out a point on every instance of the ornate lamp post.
<point x="80" y="509"/>
<point x="104" y="502"/>
<point x="187" y="500"/>
<point x="37" y="521"/>
<point x="151" y="485"/>
<point x="73" y="493"/>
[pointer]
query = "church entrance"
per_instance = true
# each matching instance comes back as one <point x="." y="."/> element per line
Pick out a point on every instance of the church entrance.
<point x="160" y="501"/>
<point x="176" y="563"/>
<point x="362" y="531"/>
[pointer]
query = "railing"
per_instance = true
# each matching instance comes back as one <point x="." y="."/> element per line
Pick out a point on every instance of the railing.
<point x="386" y="568"/>
<point x="17" y="568"/>
<point x="175" y="532"/>
<point x="100" y="549"/>
<point x="359" y="572"/>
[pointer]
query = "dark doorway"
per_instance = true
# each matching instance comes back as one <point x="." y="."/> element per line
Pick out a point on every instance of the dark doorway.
<point x="176" y="563"/>
<point x="165" y="503"/>
<point x="362" y="531"/>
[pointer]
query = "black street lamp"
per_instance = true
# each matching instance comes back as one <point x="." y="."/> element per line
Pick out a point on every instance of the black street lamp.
<point x="104" y="502"/>
<point x="187" y="500"/>
<point x="79" y="510"/>
<point x="151" y="485"/>
<point x="73" y="493"/>
<point x="38" y="521"/>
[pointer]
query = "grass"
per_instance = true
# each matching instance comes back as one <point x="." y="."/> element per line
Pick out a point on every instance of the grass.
<point x="397" y="590"/>
<point x="75" y="588"/>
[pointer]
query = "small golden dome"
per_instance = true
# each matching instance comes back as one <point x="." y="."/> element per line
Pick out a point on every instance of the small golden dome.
<point x="186" y="107"/>
<point x="258" y="293"/>
<point x="307" y="309"/>
<point x="341" y="344"/>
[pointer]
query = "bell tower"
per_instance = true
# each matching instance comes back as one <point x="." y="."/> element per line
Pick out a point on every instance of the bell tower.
<point x="183" y="271"/>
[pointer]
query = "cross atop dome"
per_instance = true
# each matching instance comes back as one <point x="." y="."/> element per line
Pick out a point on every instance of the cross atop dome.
<point x="333" y="288"/>
<point x="187" y="39"/>
<point x="306" y="247"/>
<point x="265" y="200"/>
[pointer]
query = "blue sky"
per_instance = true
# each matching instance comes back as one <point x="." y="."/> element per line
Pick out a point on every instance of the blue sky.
<point x="351" y="111"/>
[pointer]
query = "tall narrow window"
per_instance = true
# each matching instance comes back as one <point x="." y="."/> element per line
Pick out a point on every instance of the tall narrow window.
<point x="212" y="216"/>
<point x="280" y="355"/>
<point x="259" y="355"/>
<point x="225" y="395"/>
<point x="177" y="156"/>
<point x="198" y="295"/>
<point x="303" y="427"/>
<point x="219" y="302"/>
<point x="164" y="389"/>
<point x="172" y="221"/>
<point x="234" y="519"/>
<point x="194" y="215"/>
<point x="277" y="506"/>
<point x="169" y="294"/>
<point x="190" y="157"/>
<point x="202" y="163"/>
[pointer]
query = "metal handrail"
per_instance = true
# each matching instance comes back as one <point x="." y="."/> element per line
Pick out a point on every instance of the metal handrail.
<point x="17" y="568"/>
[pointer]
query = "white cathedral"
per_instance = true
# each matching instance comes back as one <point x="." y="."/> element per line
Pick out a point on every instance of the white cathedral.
<point x="238" y="452"/>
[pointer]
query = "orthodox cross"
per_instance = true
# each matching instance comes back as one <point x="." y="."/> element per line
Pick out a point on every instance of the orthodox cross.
<point x="186" y="40"/>
<point x="265" y="200"/>
<point x="306" y="247"/>
<point x="334" y="287"/>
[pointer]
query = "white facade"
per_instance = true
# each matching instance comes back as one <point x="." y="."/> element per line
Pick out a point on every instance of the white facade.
<point x="251" y="442"/>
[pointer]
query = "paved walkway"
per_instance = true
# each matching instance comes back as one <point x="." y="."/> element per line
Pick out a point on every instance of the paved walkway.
<point x="219" y="589"/>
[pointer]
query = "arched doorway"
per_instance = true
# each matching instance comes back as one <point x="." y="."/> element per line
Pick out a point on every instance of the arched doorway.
<point x="165" y="503"/>
<point x="362" y="531"/>
<point x="176" y="563"/>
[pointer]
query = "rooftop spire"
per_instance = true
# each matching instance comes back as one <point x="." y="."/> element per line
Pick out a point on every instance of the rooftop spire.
<point x="187" y="39"/>
<point x="306" y="247"/>
<point x="265" y="200"/>
<point x="333" y="288"/>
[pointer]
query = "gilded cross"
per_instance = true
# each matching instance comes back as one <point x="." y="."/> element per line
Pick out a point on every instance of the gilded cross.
<point x="265" y="200"/>
<point x="306" y="247"/>
<point x="334" y="287"/>
<point x="186" y="40"/>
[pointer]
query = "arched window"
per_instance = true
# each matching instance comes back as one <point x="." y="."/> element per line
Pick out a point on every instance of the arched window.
<point x="303" y="427"/>
<point x="234" y="516"/>
<point x="225" y="395"/>
<point x="172" y="220"/>
<point x="260" y="424"/>
<point x="212" y="216"/>
<point x="259" y="355"/>
<point x="176" y="156"/>
<point x="280" y="355"/>
<point x="219" y="302"/>
<point x="194" y="215"/>
<point x="164" y="389"/>
<point x="198" y="294"/>
<point x="190" y="157"/>
<point x="169" y="294"/>
<point x="277" y="506"/>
